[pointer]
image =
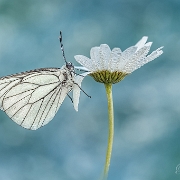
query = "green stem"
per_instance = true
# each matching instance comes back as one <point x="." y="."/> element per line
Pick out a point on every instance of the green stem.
<point x="111" y="129"/>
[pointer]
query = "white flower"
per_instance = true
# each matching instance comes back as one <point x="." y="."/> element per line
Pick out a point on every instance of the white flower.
<point x="108" y="66"/>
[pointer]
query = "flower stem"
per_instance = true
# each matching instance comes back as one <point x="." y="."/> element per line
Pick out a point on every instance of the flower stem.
<point x="111" y="129"/>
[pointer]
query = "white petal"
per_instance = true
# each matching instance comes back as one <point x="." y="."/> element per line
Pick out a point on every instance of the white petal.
<point x="94" y="54"/>
<point x="148" y="44"/>
<point x="153" y="55"/>
<point x="76" y="89"/>
<point x="126" y="55"/>
<point x="117" y="51"/>
<point x="135" y="61"/>
<point x="141" y="43"/>
<point x="104" y="53"/>
<point x="128" y="52"/>
<point x="81" y="68"/>
<point x="147" y="59"/>
<point x="84" y="61"/>
<point x="116" y="56"/>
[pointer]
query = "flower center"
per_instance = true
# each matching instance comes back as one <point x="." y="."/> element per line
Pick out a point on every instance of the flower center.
<point x="108" y="77"/>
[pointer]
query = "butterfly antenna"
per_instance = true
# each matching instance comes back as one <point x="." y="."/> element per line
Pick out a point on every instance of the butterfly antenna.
<point x="83" y="90"/>
<point x="62" y="47"/>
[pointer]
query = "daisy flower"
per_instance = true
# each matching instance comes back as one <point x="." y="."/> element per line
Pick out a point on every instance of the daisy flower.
<point x="111" y="66"/>
<point x="108" y="66"/>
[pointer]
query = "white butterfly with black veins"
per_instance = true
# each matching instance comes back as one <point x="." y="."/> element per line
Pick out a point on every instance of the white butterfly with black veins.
<point x="32" y="98"/>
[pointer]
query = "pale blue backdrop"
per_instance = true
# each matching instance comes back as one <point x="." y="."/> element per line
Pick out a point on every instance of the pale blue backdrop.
<point x="147" y="103"/>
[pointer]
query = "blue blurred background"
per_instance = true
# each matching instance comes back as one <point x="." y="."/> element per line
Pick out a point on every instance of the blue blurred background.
<point x="147" y="103"/>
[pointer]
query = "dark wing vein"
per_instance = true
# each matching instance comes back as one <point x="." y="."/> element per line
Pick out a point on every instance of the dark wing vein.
<point x="52" y="103"/>
<point x="18" y="101"/>
<point x="45" y="110"/>
<point x="7" y="89"/>
<point x="37" y="114"/>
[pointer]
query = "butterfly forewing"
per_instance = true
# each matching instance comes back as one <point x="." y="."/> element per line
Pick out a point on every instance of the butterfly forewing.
<point x="31" y="99"/>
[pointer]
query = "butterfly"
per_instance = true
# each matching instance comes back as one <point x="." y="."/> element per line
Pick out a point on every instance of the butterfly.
<point x="32" y="98"/>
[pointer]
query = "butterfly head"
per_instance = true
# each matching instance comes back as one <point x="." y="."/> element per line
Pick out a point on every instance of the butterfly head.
<point x="70" y="66"/>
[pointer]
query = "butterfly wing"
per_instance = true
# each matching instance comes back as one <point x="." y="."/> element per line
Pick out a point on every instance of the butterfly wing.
<point x="31" y="99"/>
